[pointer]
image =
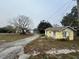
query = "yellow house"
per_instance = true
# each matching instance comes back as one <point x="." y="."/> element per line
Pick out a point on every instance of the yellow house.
<point x="60" y="33"/>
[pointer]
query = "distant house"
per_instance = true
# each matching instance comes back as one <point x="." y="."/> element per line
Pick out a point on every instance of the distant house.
<point x="27" y="31"/>
<point x="61" y="33"/>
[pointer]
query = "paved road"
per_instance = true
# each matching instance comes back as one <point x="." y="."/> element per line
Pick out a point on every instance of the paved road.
<point x="10" y="50"/>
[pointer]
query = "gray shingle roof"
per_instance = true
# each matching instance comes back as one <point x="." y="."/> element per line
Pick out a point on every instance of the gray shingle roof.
<point x="59" y="28"/>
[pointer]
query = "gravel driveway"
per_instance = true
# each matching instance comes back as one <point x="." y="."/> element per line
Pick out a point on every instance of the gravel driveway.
<point x="10" y="50"/>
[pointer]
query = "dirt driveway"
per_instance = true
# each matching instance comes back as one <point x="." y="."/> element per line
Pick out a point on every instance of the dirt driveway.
<point x="10" y="50"/>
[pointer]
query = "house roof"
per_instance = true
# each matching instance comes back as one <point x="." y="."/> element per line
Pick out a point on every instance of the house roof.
<point x="59" y="28"/>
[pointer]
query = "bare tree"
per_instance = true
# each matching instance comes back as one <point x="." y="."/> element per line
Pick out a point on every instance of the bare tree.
<point x="22" y="24"/>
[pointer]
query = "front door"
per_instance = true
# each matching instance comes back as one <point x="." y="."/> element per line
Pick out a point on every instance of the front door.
<point x="65" y="34"/>
<point x="53" y="35"/>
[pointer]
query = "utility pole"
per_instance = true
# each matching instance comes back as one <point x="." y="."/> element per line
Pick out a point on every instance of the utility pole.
<point x="78" y="15"/>
<point x="78" y="8"/>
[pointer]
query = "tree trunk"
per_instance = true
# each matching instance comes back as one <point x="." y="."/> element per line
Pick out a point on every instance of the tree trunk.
<point x="23" y="32"/>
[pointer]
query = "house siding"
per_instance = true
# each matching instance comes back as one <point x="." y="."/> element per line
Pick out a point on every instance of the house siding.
<point x="71" y="34"/>
<point x="59" y="34"/>
<point x="48" y="33"/>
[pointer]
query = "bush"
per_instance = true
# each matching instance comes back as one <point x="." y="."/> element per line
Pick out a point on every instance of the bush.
<point x="7" y="29"/>
<point x="42" y="34"/>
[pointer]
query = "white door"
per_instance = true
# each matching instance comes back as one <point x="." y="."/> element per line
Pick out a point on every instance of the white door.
<point x="53" y="35"/>
<point x="65" y="34"/>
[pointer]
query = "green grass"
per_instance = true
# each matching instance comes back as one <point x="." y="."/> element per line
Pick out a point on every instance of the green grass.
<point x="44" y="44"/>
<point x="9" y="37"/>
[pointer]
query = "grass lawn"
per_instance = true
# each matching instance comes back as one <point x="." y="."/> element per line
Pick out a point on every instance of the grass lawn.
<point x="12" y="37"/>
<point x="44" y="44"/>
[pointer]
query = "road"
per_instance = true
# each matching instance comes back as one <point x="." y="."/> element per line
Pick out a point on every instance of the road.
<point x="10" y="50"/>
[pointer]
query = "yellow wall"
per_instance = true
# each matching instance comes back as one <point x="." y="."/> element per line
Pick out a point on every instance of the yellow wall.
<point x="71" y="34"/>
<point x="48" y="33"/>
<point x="59" y="34"/>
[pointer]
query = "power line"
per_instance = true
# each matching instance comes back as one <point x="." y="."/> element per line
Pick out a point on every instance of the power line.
<point x="78" y="7"/>
<point x="65" y="9"/>
<point x="59" y="9"/>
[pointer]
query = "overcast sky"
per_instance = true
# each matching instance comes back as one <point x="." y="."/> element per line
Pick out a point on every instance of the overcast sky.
<point x="37" y="10"/>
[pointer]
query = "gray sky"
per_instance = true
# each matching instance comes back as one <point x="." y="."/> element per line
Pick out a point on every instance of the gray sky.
<point x="37" y="10"/>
